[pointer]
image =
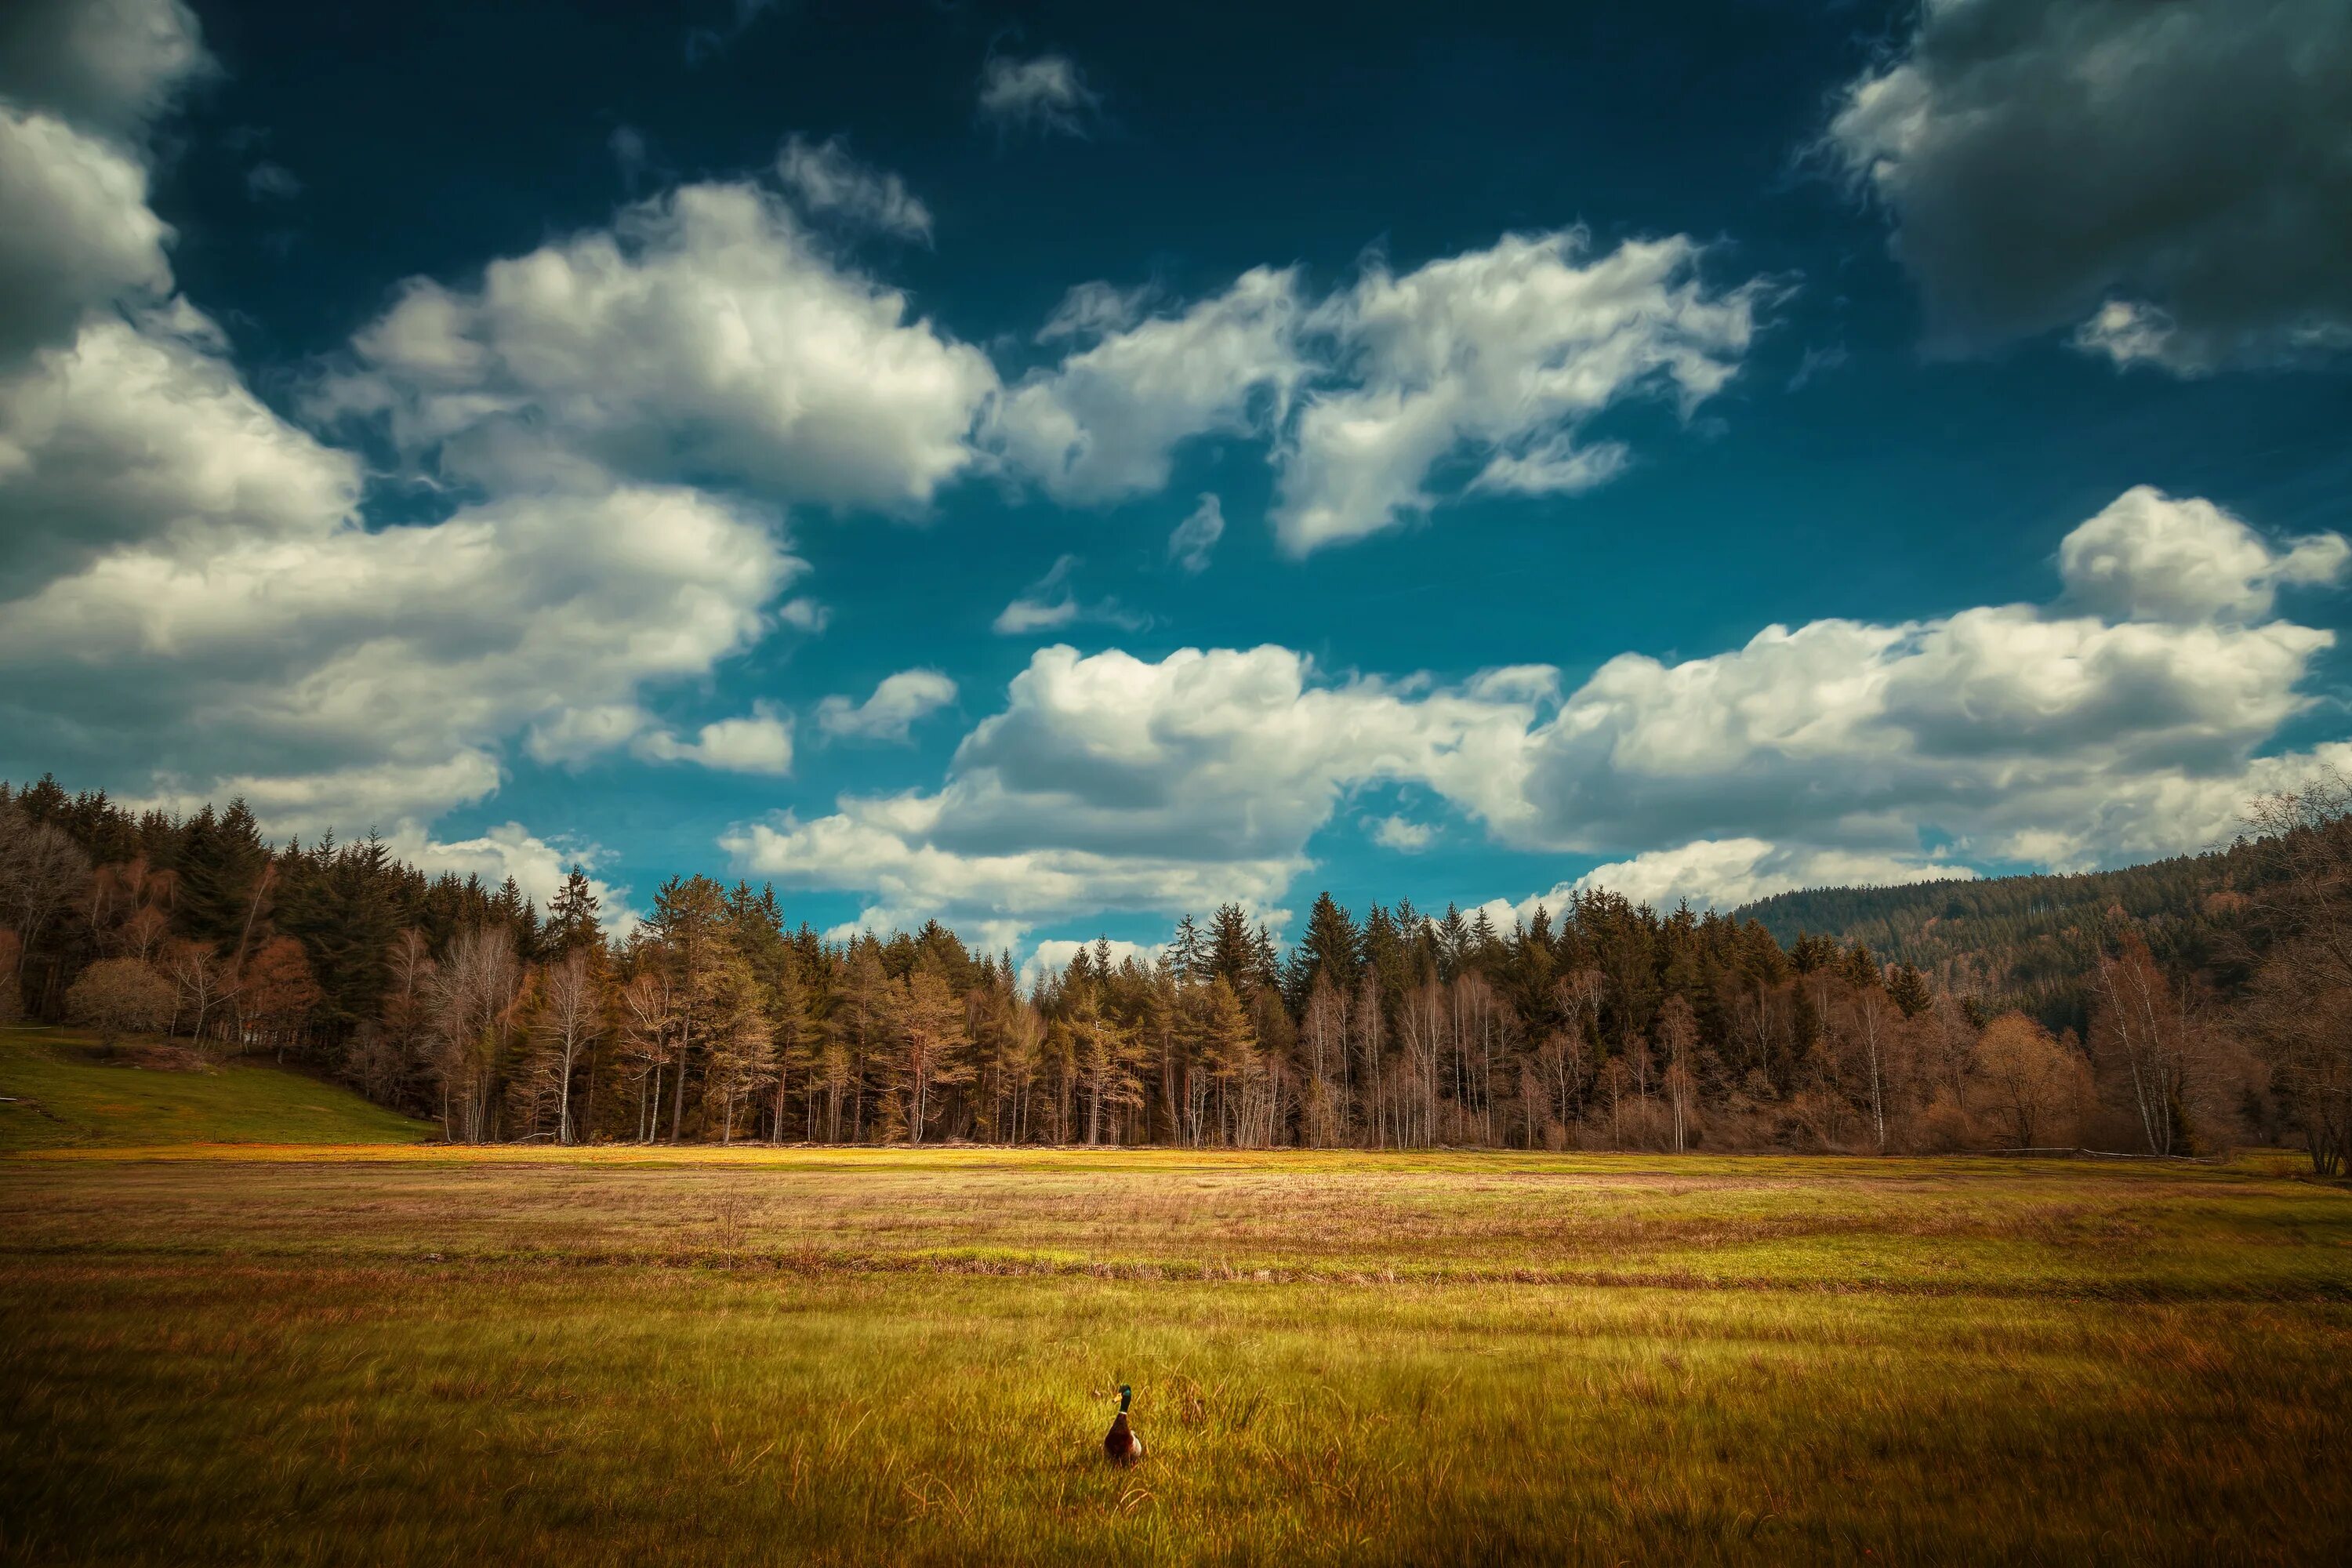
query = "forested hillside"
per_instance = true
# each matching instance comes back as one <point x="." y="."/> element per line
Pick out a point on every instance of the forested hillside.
<point x="2031" y="942"/>
<point x="1603" y="1024"/>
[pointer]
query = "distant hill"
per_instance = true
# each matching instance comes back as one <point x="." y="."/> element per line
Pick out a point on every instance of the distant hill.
<point x="58" y="1091"/>
<point x="2027" y="942"/>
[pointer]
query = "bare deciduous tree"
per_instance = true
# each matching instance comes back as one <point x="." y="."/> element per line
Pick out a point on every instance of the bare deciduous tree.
<point x="2033" y="1088"/>
<point x="41" y="871"/>
<point x="119" y="996"/>
<point x="2301" y="1009"/>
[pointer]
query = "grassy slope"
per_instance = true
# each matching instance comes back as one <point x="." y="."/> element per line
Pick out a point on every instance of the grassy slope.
<point x="55" y="1091"/>
<point x="441" y="1355"/>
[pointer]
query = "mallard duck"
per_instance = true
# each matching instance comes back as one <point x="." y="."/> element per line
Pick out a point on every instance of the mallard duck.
<point x="1120" y="1443"/>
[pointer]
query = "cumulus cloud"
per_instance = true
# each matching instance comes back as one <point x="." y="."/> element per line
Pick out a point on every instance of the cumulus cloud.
<point x="1402" y="835"/>
<point x="80" y="83"/>
<point x="2118" y="720"/>
<point x="1191" y="543"/>
<point x="898" y="701"/>
<point x="111" y="65"/>
<point x="702" y="335"/>
<point x="336" y="648"/>
<point x="146" y="435"/>
<point x="758" y="743"/>
<point x="827" y="180"/>
<point x="1498" y="358"/>
<point x="2175" y="176"/>
<point x="2126" y="718"/>
<point x="2150" y="558"/>
<point x="1501" y="355"/>
<point x="1047" y="94"/>
<point x="1106" y="422"/>
<point x="1110" y="783"/>
<point x="79" y="233"/>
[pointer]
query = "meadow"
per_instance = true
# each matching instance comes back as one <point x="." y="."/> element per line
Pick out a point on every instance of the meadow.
<point x="394" y="1353"/>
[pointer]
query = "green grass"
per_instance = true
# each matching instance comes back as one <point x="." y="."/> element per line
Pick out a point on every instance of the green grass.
<point x="57" y="1091"/>
<point x="432" y="1355"/>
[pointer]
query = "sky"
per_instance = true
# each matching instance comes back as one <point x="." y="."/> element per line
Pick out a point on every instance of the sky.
<point x="1055" y="468"/>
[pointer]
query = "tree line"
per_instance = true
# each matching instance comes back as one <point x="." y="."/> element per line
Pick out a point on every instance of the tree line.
<point x="1602" y="1025"/>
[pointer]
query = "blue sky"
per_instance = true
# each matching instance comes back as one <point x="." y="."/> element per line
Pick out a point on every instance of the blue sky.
<point x="763" y="443"/>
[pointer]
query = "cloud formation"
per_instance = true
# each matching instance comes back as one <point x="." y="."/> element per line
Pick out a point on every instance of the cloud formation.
<point x="827" y="180"/>
<point x="111" y="66"/>
<point x="1725" y="873"/>
<point x="1501" y="355"/>
<point x="703" y="336"/>
<point x="1106" y="422"/>
<point x="1113" y="784"/>
<point x="1496" y="358"/>
<point x="898" y="701"/>
<point x="187" y="590"/>
<point x="1047" y="94"/>
<point x="761" y="743"/>
<point x="1191" y="542"/>
<point x="2175" y="176"/>
<point x="1052" y="603"/>
<point x="2126" y="718"/>
<point x="2036" y="733"/>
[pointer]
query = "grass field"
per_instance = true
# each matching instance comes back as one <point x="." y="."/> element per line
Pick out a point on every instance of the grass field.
<point x="57" y="1091"/>
<point x="400" y="1354"/>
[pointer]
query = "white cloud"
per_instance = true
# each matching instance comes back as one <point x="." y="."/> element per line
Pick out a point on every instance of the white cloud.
<point x="899" y="701"/>
<point x="579" y="731"/>
<point x="2172" y="176"/>
<point x="1402" y="835"/>
<point x="1498" y="357"/>
<point x="185" y="585"/>
<point x="537" y="867"/>
<point x="1053" y="957"/>
<point x="1191" y="543"/>
<point x="2148" y="557"/>
<point x="701" y="335"/>
<point x="1500" y="354"/>
<point x="141" y="435"/>
<point x="2059" y="734"/>
<point x="827" y="180"/>
<point x="347" y="801"/>
<point x="1109" y="783"/>
<point x="1051" y="601"/>
<point x="340" y="651"/>
<point x="758" y="743"/>
<point x="1106" y="422"/>
<point x="79" y="233"/>
<point x="1998" y="726"/>
<point x="1048" y="94"/>
<point x="1725" y="873"/>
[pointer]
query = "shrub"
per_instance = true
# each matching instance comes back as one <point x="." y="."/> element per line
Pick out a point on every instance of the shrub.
<point x="117" y="997"/>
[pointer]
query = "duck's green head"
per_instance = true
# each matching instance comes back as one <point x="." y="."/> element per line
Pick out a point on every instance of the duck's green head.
<point x="1125" y="1394"/>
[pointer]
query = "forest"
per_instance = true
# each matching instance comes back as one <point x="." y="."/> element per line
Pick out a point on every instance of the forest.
<point x="1603" y="1024"/>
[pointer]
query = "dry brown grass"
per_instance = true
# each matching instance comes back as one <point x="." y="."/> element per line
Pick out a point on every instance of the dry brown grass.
<point x="876" y="1356"/>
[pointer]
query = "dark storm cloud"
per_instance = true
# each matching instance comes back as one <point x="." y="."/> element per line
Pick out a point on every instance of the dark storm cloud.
<point x="2174" y="177"/>
<point x="113" y="65"/>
